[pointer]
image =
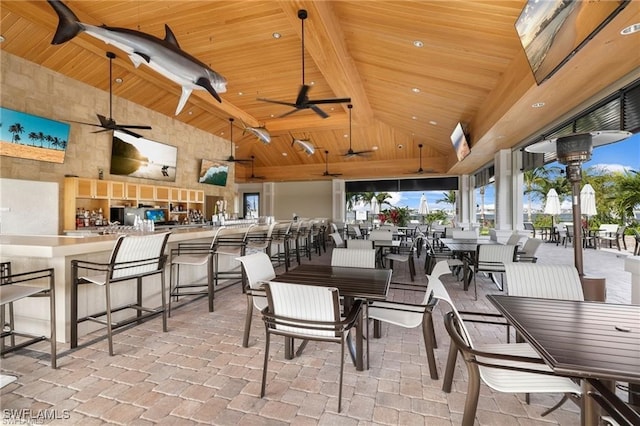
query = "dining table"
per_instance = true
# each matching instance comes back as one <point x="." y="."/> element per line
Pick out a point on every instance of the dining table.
<point x="598" y="343"/>
<point x="465" y="249"/>
<point x="352" y="283"/>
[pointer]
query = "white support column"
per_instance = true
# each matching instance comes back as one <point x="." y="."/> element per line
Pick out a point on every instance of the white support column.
<point x="465" y="205"/>
<point x="268" y="199"/>
<point x="504" y="215"/>
<point x="632" y="264"/>
<point x="339" y="200"/>
<point x="517" y="190"/>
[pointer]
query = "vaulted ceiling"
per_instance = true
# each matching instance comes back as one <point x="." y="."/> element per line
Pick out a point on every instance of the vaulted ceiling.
<point x="471" y="68"/>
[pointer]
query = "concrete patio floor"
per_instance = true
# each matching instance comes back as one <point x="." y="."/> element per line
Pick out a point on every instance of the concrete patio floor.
<point x="198" y="371"/>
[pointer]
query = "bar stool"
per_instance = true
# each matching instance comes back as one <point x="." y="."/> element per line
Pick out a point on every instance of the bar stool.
<point x="229" y="247"/>
<point x="280" y="238"/>
<point x="192" y="254"/>
<point x="14" y="287"/>
<point x="134" y="257"/>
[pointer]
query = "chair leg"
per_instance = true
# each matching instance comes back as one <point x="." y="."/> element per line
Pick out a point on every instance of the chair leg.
<point x="264" y="367"/>
<point x="211" y="277"/>
<point x="412" y="268"/>
<point x="447" y="382"/>
<point x="341" y="374"/>
<point x="473" y="394"/>
<point x="247" y="323"/>
<point x="164" y="302"/>
<point x="107" y="288"/>
<point x="427" y="327"/>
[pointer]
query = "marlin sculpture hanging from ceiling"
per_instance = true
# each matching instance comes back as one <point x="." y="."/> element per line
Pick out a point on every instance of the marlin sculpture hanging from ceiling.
<point x="163" y="56"/>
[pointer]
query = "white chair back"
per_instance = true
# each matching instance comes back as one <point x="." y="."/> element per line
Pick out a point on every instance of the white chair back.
<point x="464" y="235"/>
<point x="381" y="235"/>
<point x="139" y="254"/>
<point x="530" y="247"/>
<point x="258" y="268"/>
<point x="542" y="280"/>
<point x="493" y="257"/>
<point x="337" y="239"/>
<point x="514" y="239"/>
<point x="355" y="258"/>
<point x="359" y="244"/>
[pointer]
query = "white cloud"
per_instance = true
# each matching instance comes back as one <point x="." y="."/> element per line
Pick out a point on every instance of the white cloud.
<point x="611" y="168"/>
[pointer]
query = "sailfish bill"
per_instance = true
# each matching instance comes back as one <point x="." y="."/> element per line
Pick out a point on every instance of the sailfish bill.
<point x="162" y="55"/>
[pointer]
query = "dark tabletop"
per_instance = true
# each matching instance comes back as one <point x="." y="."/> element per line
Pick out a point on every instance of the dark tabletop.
<point x="370" y="284"/>
<point x="580" y="339"/>
<point x="465" y="245"/>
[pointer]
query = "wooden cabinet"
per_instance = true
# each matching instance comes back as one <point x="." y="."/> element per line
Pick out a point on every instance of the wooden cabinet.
<point x="146" y="192"/>
<point x="91" y="188"/>
<point x="95" y="194"/>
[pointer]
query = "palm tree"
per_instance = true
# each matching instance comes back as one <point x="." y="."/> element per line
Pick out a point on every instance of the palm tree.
<point x="627" y="189"/>
<point x="16" y="129"/>
<point x="354" y="197"/>
<point x="34" y="137"/>
<point x="448" y="198"/>
<point x="382" y="198"/>
<point x="534" y="180"/>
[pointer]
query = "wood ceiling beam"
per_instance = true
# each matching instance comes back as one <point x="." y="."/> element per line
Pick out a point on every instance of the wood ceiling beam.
<point x="325" y="43"/>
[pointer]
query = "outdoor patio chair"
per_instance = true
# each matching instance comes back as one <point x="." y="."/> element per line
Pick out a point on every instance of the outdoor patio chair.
<point x="615" y="238"/>
<point x="548" y="281"/>
<point x="306" y="312"/>
<point x="432" y="258"/>
<point x="407" y="256"/>
<point x="18" y="286"/>
<point x="529" y="249"/>
<point x="510" y="368"/>
<point x="338" y="242"/>
<point x="258" y="269"/>
<point x="528" y="226"/>
<point x="514" y="239"/>
<point x="134" y="257"/>
<point x="464" y="235"/>
<point x="353" y="258"/>
<point x="260" y="242"/>
<point x="492" y="258"/>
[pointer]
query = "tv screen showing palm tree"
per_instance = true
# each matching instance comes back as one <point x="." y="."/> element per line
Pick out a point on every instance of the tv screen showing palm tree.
<point x="28" y="136"/>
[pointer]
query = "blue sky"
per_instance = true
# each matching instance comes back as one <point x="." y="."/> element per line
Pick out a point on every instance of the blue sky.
<point x="624" y="155"/>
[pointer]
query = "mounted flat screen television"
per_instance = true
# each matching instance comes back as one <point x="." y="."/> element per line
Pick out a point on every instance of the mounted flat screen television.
<point x="460" y="142"/>
<point x="552" y="31"/>
<point x="142" y="158"/>
<point x="28" y="136"/>
<point x="213" y="173"/>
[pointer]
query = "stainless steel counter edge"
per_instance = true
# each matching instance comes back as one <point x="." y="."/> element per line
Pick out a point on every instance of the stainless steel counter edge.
<point x="51" y="246"/>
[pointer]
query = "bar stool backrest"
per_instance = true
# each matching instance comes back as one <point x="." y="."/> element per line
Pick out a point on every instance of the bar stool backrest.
<point x="138" y="254"/>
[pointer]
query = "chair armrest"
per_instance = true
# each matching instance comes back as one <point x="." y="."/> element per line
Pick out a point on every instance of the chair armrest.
<point x="350" y="319"/>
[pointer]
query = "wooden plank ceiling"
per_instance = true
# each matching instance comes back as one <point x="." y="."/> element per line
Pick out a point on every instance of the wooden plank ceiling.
<point x="471" y="69"/>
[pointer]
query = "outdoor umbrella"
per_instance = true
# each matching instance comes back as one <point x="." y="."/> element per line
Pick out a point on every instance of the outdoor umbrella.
<point x="424" y="207"/>
<point x="375" y="207"/>
<point x="588" y="201"/>
<point x="552" y="206"/>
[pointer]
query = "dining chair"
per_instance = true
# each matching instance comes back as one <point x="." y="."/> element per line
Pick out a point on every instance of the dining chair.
<point x="410" y="315"/>
<point x="18" y="286"/>
<point x="338" y="242"/>
<point x="354" y="258"/>
<point x="193" y="255"/>
<point x="528" y="251"/>
<point x="514" y="239"/>
<point x="509" y="368"/>
<point x="549" y="281"/>
<point x="134" y="257"/>
<point x="258" y="269"/>
<point x="615" y="237"/>
<point x="505" y="367"/>
<point x="406" y="256"/>
<point x="310" y="313"/>
<point x="432" y="258"/>
<point x="464" y="235"/>
<point x="491" y="258"/>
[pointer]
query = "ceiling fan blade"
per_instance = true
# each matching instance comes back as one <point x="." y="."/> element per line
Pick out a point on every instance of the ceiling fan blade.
<point x="302" y="99"/>
<point x="288" y="113"/>
<point x="318" y="111"/>
<point x="292" y="105"/>
<point x="133" y="126"/>
<point x="330" y="101"/>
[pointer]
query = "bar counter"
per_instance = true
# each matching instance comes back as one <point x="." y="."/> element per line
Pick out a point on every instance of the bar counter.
<point x="31" y="252"/>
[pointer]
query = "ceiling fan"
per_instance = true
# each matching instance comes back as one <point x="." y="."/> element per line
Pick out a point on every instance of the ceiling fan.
<point x="420" y="170"/>
<point x="231" y="158"/>
<point x="351" y="153"/>
<point x="326" y="166"/>
<point x="109" y="123"/>
<point x="253" y="176"/>
<point x="303" y="101"/>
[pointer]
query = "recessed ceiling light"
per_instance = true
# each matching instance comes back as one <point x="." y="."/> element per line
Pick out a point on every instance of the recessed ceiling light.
<point x="418" y="43"/>
<point x="414" y="117"/>
<point x="190" y="112"/>
<point x="433" y="123"/>
<point x="634" y="28"/>
<point x="118" y="80"/>
<point x="240" y="93"/>
<point x="346" y="135"/>
<point x="284" y="154"/>
<point x="538" y="105"/>
<point x="311" y="83"/>
<point x="415" y="90"/>
<point x="400" y="146"/>
<point x="374" y="148"/>
<point x="276" y="35"/>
